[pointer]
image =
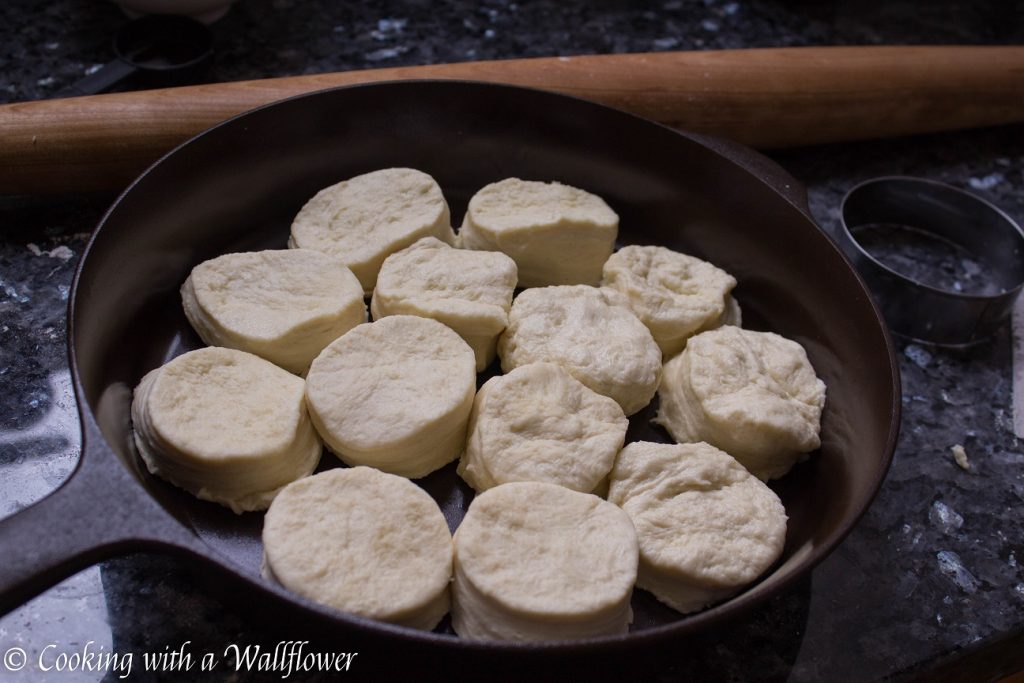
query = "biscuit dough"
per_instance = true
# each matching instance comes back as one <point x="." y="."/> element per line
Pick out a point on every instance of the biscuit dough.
<point x="539" y="423"/>
<point x="394" y="394"/>
<point x="706" y="527"/>
<point x="674" y="294"/>
<point x="592" y="334"/>
<point x="537" y="561"/>
<point x="360" y="221"/>
<point x="469" y="291"/>
<point x="361" y="541"/>
<point x="752" y="394"/>
<point x="226" y="426"/>
<point x="284" y="305"/>
<point x="557" y="234"/>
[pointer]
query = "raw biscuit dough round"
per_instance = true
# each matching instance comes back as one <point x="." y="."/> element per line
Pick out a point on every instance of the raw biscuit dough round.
<point x="592" y="334"/>
<point x="557" y="234"/>
<point x="676" y="295"/>
<point x="362" y="220"/>
<point x="469" y="291"/>
<point x="539" y="423"/>
<point x="752" y="394"/>
<point x="537" y="561"/>
<point x="394" y="394"/>
<point x="361" y="541"/>
<point x="706" y="526"/>
<point x="284" y="305"/>
<point x="225" y="425"/>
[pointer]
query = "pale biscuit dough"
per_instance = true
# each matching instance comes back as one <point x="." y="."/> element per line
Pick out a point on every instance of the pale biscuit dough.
<point x="706" y="527"/>
<point x="557" y="234"/>
<point x="592" y="334"/>
<point x="361" y="541"/>
<point x="537" y="561"/>
<point x="469" y="291"/>
<point x="225" y="425"/>
<point x="539" y="423"/>
<point x="362" y="220"/>
<point x="752" y="394"/>
<point x="394" y="394"/>
<point x="674" y="294"/>
<point x="284" y="305"/>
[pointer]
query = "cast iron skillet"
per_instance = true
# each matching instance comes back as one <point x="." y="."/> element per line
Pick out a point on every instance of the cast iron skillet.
<point x="237" y="186"/>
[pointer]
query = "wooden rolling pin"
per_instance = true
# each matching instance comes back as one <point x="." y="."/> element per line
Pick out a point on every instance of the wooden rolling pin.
<point x="767" y="98"/>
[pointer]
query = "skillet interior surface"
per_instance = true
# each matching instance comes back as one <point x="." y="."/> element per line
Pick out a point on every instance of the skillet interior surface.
<point x="237" y="187"/>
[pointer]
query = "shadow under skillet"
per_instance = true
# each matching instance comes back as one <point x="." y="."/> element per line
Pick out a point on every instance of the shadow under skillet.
<point x="155" y="602"/>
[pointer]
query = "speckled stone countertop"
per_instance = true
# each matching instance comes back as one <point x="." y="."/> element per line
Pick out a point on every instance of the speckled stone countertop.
<point x="930" y="583"/>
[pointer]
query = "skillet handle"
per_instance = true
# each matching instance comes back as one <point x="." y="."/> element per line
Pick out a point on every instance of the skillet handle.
<point x="761" y="166"/>
<point x="99" y="512"/>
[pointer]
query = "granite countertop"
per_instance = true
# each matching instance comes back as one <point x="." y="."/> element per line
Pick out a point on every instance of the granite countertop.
<point x="929" y="584"/>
